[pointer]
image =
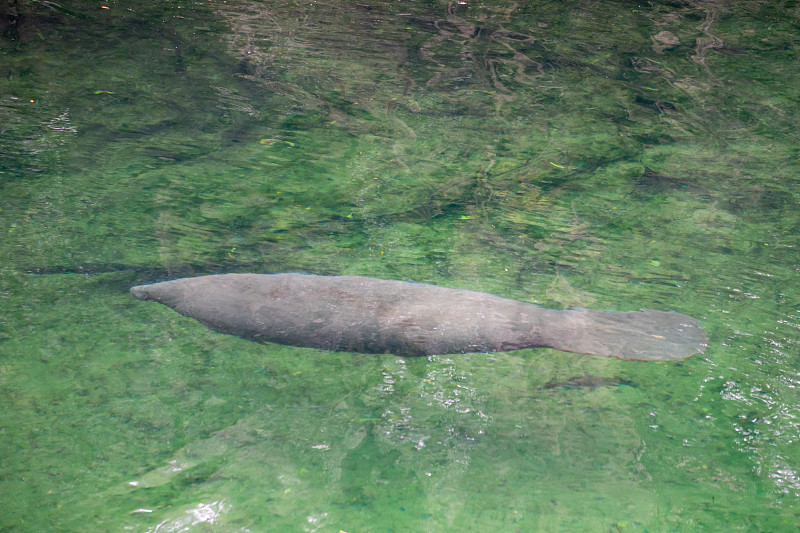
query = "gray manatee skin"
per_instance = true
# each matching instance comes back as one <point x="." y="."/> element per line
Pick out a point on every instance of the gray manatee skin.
<point x="367" y="315"/>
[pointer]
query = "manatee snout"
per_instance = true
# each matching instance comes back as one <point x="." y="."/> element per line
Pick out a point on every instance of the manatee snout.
<point x="140" y="292"/>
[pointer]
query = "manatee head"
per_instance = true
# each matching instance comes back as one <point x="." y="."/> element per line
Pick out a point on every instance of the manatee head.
<point x="140" y="292"/>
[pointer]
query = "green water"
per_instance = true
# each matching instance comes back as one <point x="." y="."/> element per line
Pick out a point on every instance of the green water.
<point x="564" y="153"/>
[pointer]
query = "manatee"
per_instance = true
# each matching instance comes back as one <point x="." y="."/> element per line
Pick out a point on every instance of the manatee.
<point x="377" y="316"/>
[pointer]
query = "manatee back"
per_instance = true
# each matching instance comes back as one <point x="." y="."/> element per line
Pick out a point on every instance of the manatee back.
<point x="347" y="313"/>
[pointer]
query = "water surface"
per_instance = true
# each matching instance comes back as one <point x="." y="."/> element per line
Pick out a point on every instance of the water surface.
<point x="610" y="155"/>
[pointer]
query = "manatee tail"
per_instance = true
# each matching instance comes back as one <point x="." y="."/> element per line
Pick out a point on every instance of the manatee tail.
<point x="644" y="335"/>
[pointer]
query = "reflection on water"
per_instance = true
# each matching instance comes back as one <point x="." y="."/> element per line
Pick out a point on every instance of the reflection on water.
<point x="202" y="513"/>
<point x="569" y="154"/>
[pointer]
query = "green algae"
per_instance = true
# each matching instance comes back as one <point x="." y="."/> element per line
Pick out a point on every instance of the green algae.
<point x="556" y="153"/>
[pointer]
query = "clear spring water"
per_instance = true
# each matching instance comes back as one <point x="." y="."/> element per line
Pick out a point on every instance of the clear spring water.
<point x="612" y="155"/>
